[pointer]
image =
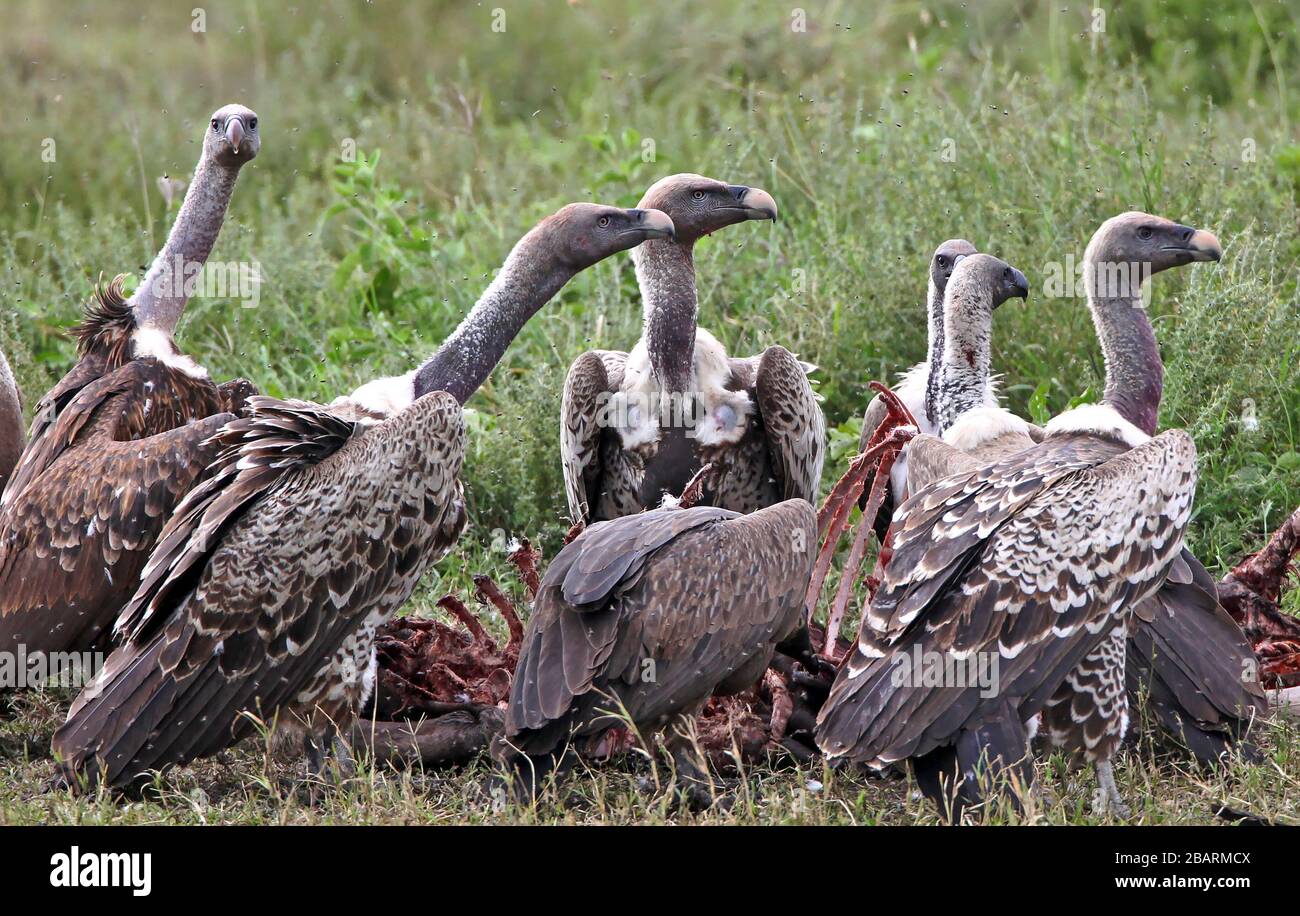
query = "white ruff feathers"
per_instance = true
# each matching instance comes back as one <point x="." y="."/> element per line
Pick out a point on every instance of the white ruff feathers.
<point x="1099" y="419"/>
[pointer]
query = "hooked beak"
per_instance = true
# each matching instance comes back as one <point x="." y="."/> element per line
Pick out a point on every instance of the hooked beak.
<point x="757" y="203"/>
<point x="1204" y="246"/>
<point x="654" y="224"/>
<point x="235" y="133"/>
<point x="1019" y="285"/>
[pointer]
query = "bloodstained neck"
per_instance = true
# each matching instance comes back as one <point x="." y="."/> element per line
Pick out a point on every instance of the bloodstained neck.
<point x="934" y="335"/>
<point x="963" y="372"/>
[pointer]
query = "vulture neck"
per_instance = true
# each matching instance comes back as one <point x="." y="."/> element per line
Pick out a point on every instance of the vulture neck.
<point x="665" y="271"/>
<point x="1134" y="372"/>
<point x="525" y="283"/>
<point x="963" y="370"/>
<point x="165" y="289"/>
<point x="934" y="337"/>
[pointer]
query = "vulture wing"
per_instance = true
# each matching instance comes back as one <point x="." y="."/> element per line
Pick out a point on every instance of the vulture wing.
<point x="82" y="512"/>
<point x="1027" y="564"/>
<point x="659" y="610"/>
<point x="316" y="533"/>
<point x="930" y="459"/>
<point x="792" y="422"/>
<point x="592" y="379"/>
<point x="1192" y="664"/>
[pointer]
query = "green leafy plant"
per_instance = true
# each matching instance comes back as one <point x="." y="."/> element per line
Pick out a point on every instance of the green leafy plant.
<point x="385" y="232"/>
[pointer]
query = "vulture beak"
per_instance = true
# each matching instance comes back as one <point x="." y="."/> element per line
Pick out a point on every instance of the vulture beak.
<point x="1204" y="246"/>
<point x="235" y="133"/>
<point x="1019" y="284"/>
<point x="757" y="203"/>
<point x="655" y="224"/>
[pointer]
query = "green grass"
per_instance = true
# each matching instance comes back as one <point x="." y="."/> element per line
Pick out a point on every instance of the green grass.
<point x="367" y="266"/>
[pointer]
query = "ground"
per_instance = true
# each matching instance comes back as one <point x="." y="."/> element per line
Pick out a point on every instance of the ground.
<point x="880" y="129"/>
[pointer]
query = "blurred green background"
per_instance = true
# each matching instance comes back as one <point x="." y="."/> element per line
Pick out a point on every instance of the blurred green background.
<point x="880" y="128"/>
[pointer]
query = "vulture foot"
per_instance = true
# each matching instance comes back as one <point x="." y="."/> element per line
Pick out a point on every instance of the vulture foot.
<point x="1106" y="800"/>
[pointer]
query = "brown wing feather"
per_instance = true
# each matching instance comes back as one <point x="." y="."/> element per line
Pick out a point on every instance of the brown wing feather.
<point x="661" y="609"/>
<point x="792" y="422"/>
<point x="251" y="454"/>
<point x="88" y="501"/>
<point x="1192" y="664"/>
<point x="103" y="346"/>
<point x="586" y="387"/>
<point x="1005" y="564"/>
<point x="331" y="547"/>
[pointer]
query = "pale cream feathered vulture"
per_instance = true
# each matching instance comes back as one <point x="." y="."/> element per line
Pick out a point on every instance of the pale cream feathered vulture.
<point x="637" y="426"/>
<point x="1187" y="659"/>
<point x="1034" y="567"/>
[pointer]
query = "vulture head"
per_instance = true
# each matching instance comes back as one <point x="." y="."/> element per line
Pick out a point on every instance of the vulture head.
<point x="232" y="138"/>
<point x="985" y="282"/>
<point x="1151" y="243"/>
<point x="700" y="205"/>
<point x="945" y="259"/>
<point x="581" y="235"/>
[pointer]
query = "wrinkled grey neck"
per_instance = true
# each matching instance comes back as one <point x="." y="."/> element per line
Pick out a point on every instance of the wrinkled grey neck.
<point x="665" y="271"/>
<point x="1134" y="371"/>
<point x="934" y="336"/>
<point x="964" y="368"/>
<point x="526" y="282"/>
<point x="163" y="294"/>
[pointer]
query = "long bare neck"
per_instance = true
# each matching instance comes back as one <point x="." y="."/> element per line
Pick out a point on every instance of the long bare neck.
<point x="165" y="290"/>
<point x="1134" y="372"/>
<point x="934" y="337"/>
<point x="526" y="282"/>
<point x="963" y="374"/>
<point x="665" y="271"/>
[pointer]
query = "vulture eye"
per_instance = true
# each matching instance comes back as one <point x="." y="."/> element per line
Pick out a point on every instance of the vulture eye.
<point x="215" y="124"/>
<point x="698" y="195"/>
<point x="603" y="222"/>
<point x="252" y="123"/>
<point x="941" y="261"/>
<point x="1144" y="233"/>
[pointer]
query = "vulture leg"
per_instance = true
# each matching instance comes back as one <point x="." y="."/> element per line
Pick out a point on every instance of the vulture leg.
<point x="1106" y="800"/>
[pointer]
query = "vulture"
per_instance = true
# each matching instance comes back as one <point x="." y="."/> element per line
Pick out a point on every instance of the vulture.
<point x="11" y="421"/>
<point x="1014" y="585"/>
<point x="1188" y="661"/>
<point x="646" y="616"/>
<point x="913" y="385"/>
<point x="121" y="438"/>
<point x="308" y="531"/>
<point x="637" y="426"/>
